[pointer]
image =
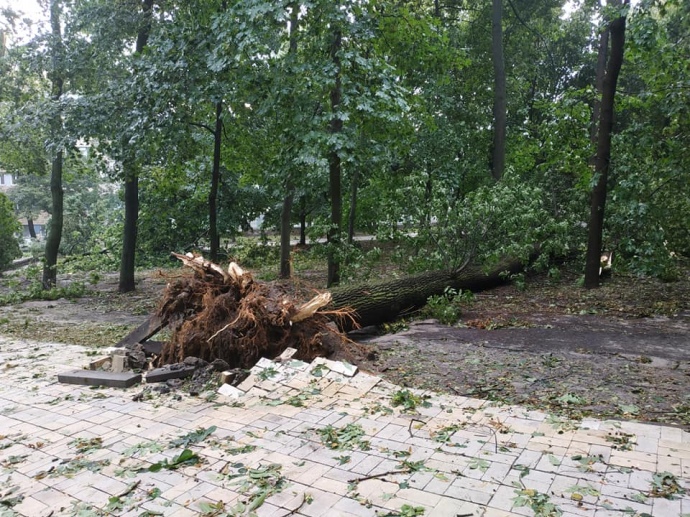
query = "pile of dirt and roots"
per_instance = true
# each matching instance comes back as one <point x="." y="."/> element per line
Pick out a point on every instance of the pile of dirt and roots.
<point x="228" y="315"/>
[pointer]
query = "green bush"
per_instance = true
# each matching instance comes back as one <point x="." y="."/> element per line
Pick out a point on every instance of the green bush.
<point x="447" y="308"/>
<point x="9" y="226"/>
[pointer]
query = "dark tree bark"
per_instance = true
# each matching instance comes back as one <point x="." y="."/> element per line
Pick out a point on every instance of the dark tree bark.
<point x="335" y="166"/>
<point x="285" y="232"/>
<point x="215" y="181"/>
<point x="131" y="176"/>
<point x="616" y="30"/>
<point x="602" y="57"/>
<point x="303" y="221"/>
<point x="286" y="212"/>
<point x="498" y="151"/>
<point x="54" y="237"/>
<point x="129" y="240"/>
<point x="385" y="301"/>
<point x="352" y="217"/>
<point x="32" y="228"/>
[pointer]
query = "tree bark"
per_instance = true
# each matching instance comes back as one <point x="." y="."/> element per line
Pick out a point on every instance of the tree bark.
<point x="498" y="151"/>
<point x="353" y="208"/>
<point x="599" y="87"/>
<point x="131" y="175"/>
<point x="286" y="212"/>
<point x="385" y="301"/>
<point x="335" y="167"/>
<point x="215" y="181"/>
<point x="285" y="232"/>
<point x="32" y="228"/>
<point x="598" y="199"/>
<point x="49" y="279"/>
<point x="303" y="221"/>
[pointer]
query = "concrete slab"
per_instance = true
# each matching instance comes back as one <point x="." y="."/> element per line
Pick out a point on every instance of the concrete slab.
<point x="163" y="374"/>
<point x="99" y="378"/>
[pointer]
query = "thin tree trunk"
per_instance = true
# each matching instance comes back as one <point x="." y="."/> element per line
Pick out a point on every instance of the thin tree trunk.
<point x="286" y="231"/>
<point x="131" y="175"/>
<point x="498" y="151"/>
<point x="127" y="259"/>
<point x="598" y="198"/>
<point x="286" y="212"/>
<point x="55" y="229"/>
<point x="335" y="167"/>
<point x="303" y="221"/>
<point x="353" y="208"/>
<point x="599" y="86"/>
<point x="32" y="228"/>
<point x="215" y="181"/>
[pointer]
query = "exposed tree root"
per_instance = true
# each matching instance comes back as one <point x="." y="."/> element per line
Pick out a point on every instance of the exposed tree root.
<point x="218" y="314"/>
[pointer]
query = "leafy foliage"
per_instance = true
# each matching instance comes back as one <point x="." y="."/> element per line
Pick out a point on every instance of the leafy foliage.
<point x="8" y="232"/>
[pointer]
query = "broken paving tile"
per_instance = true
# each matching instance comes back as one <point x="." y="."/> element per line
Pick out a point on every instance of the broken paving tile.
<point x="99" y="378"/>
<point x="287" y="354"/>
<point x="264" y="363"/>
<point x="230" y="391"/>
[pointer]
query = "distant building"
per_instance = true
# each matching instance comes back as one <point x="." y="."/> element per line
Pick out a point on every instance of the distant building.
<point x="6" y="181"/>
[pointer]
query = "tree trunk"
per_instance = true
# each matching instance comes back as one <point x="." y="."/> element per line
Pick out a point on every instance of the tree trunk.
<point x="384" y="301"/>
<point x="334" y="167"/>
<point x="598" y="199"/>
<point x="55" y="229"/>
<point x="131" y="175"/>
<point x="129" y="237"/>
<point x="286" y="212"/>
<point x="498" y="152"/>
<point x="286" y="232"/>
<point x="32" y="228"/>
<point x="353" y="208"/>
<point x="303" y="221"/>
<point x="215" y="181"/>
<point x="599" y="87"/>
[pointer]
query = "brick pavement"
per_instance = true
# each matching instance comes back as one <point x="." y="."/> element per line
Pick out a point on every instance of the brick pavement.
<point x="272" y="451"/>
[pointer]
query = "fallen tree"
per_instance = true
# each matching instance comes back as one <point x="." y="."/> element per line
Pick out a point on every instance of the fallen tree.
<point x="384" y="301"/>
<point x="228" y="315"/>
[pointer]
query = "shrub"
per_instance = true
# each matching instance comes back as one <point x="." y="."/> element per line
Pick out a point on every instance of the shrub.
<point x="9" y="226"/>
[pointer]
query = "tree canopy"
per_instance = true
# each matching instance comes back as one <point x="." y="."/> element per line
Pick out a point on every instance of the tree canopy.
<point x="464" y="129"/>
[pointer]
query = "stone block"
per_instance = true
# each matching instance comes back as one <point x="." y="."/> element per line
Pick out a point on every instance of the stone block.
<point x="163" y="374"/>
<point x="99" y="378"/>
<point x="119" y="363"/>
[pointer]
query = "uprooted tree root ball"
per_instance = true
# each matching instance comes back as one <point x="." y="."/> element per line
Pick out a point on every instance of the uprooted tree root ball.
<point x="219" y="314"/>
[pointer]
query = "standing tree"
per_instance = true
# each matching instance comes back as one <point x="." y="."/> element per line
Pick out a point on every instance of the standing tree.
<point x="616" y="28"/>
<point x="131" y="177"/>
<point x="334" y="160"/>
<point x="498" y="148"/>
<point x="57" y="194"/>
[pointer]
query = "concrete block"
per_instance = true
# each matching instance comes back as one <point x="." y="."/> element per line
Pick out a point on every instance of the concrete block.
<point x="230" y="391"/>
<point x="163" y="374"/>
<point x="119" y="363"/>
<point x="99" y="378"/>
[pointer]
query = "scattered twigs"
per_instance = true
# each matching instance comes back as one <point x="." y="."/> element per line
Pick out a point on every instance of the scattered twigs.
<point x="378" y="476"/>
